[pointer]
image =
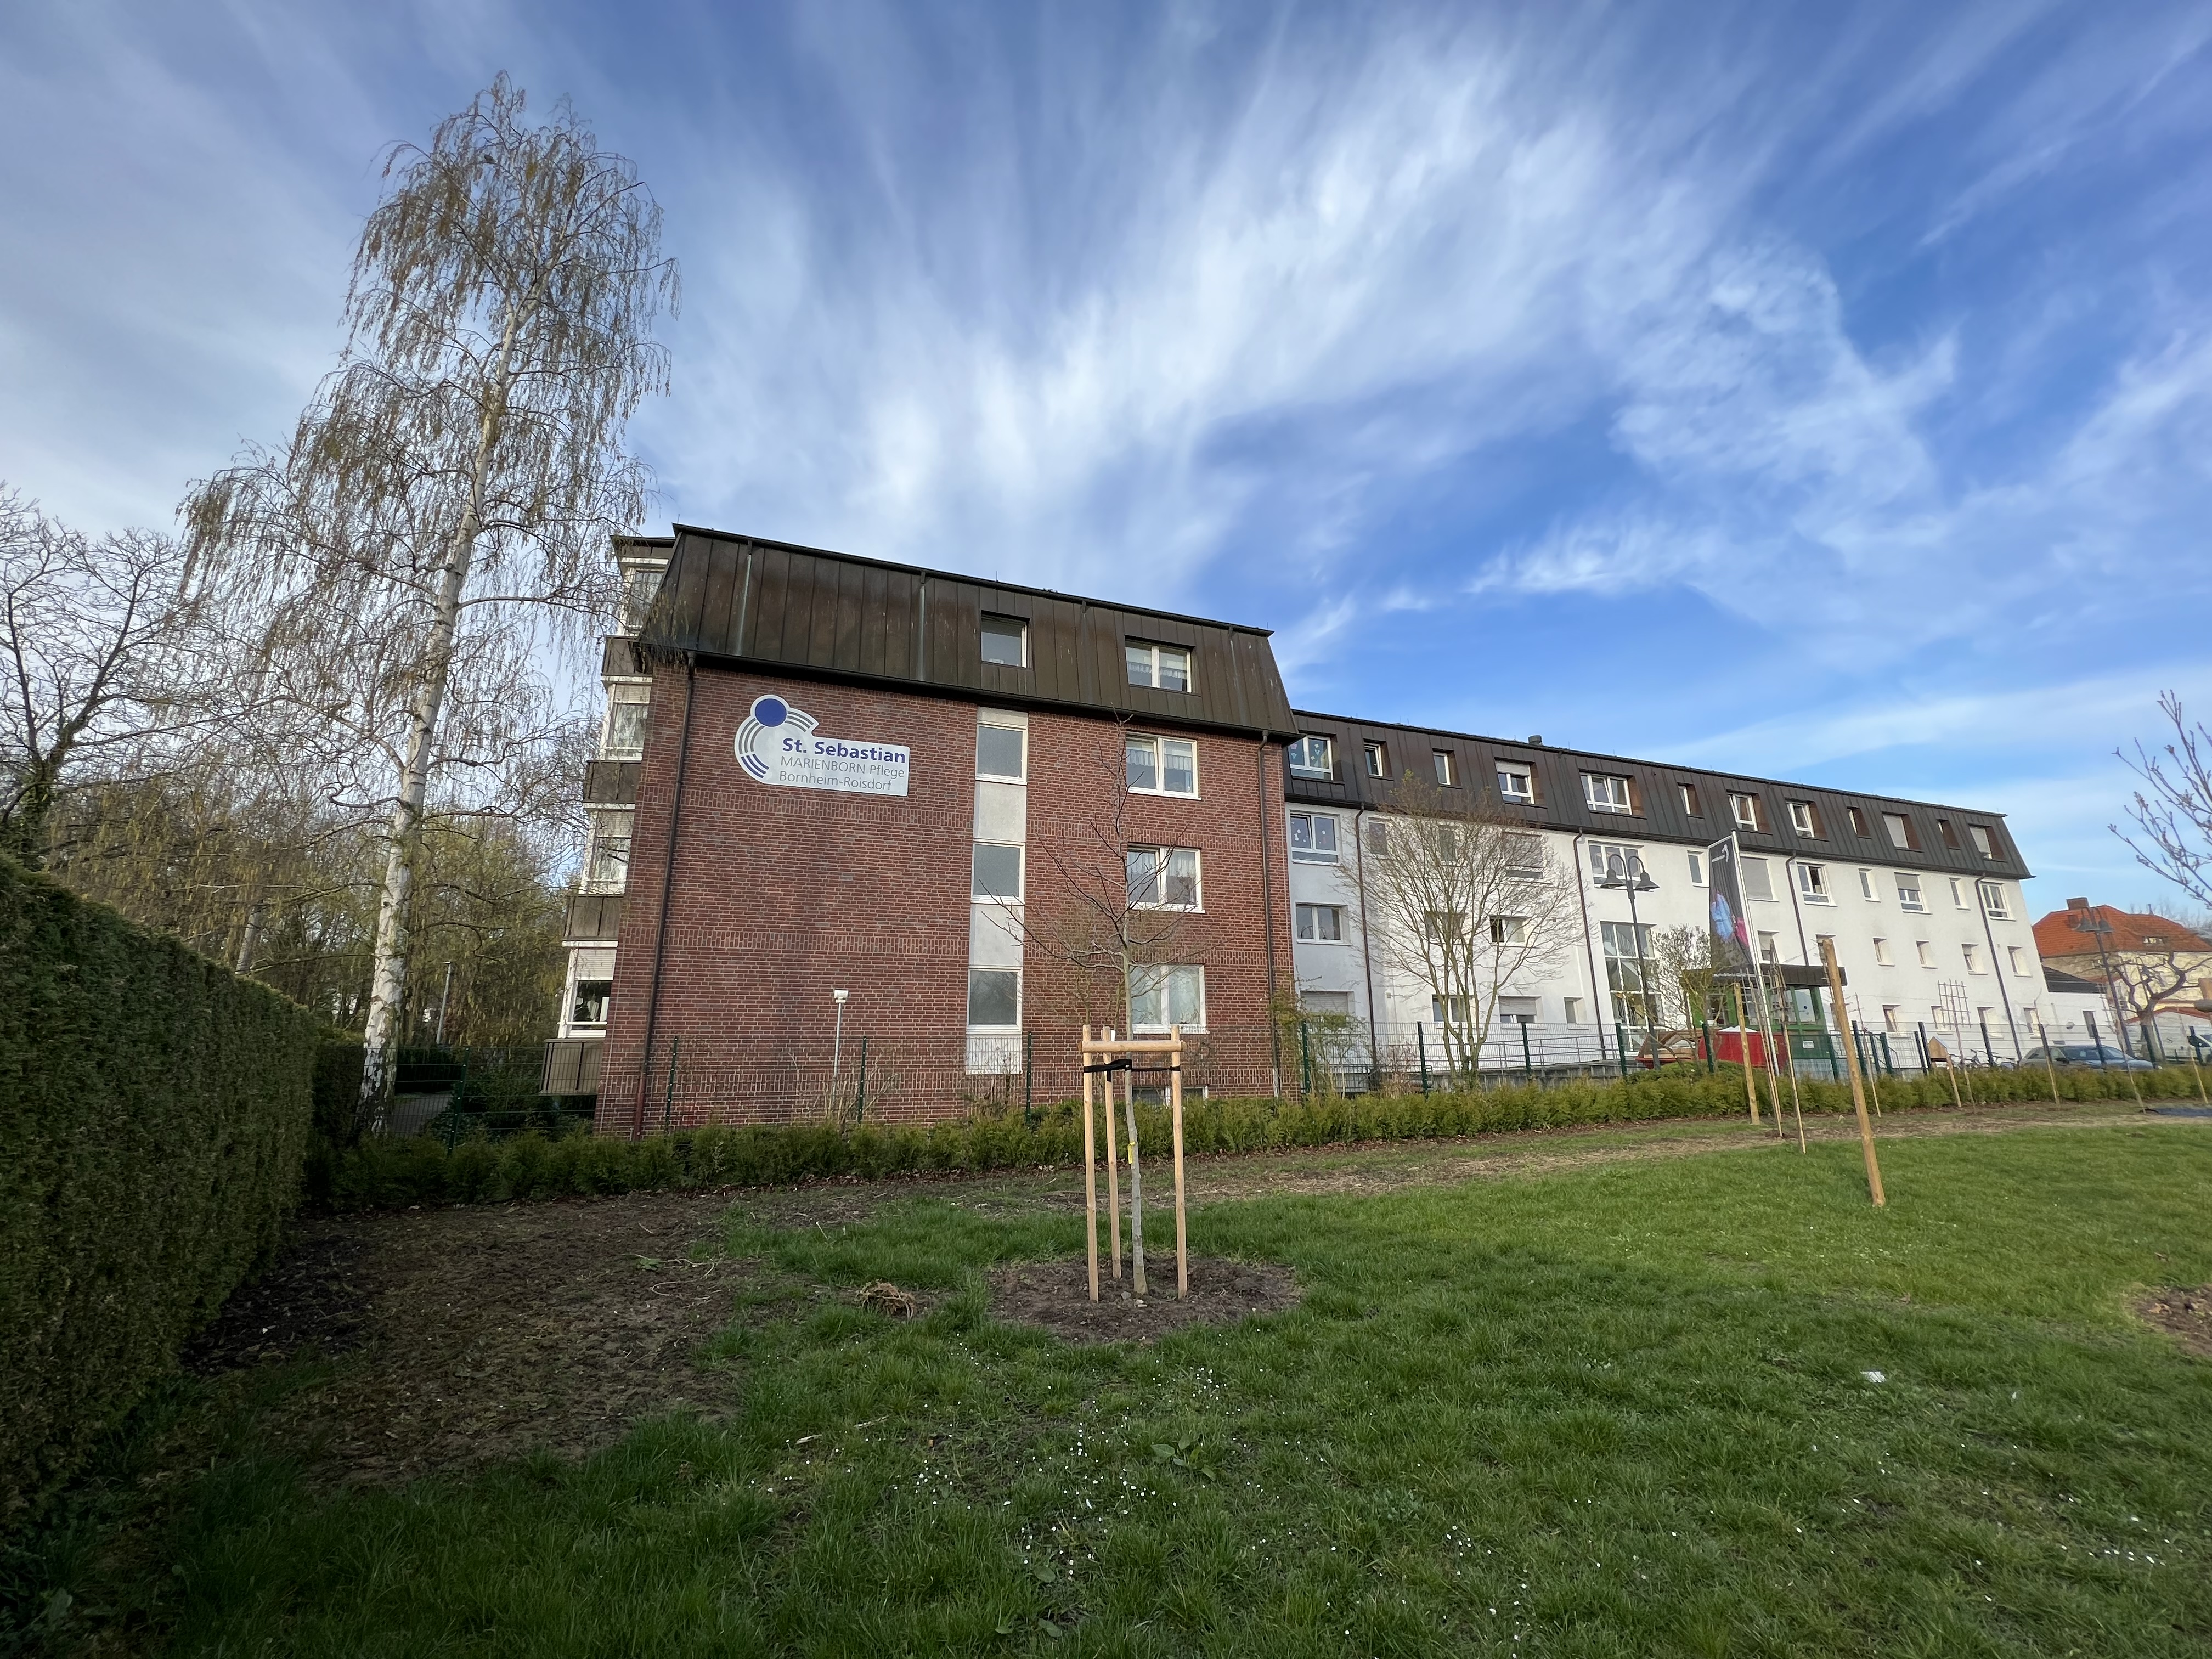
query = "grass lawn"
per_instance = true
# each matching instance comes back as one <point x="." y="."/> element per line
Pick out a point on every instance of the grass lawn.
<point x="1623" y="1410"/>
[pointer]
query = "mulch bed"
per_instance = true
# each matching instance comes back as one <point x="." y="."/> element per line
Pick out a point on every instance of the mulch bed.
<point x="2186" y="1314"/>
<point x="461" y="1337"/>
<point x="1055" y="1296"/>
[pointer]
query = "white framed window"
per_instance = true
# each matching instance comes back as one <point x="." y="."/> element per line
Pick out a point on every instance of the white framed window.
<point x="1312" y="756"/>
<point x="1377" y="758"/>
<point x="1803" y="820"/>
<point x="1378" y="838"/>
<point x="1001" y="752"/>
<point x="1908" y="893"/>
<point x="587" y="1002"/>
<point x="1813" y="884"/>
<point x="1745" y="812"/>
<point x="1767" y="951"/>
<point x="1974" y="962"/>
<point x="1890" y="1021"/>
<point x="1509" y="930"/>
<point x="2018" y="960"/>
<point x="1603" y="852"/>
<point x="1758" y="881"/>
<point x="1691" y="806"/>
<point x="1446" y="768"/>
<point x="1571" y="1007"/>
<point x="606" y="870"/>
<point x="1858" y="823"/>
<point x="1164" y="878"/>
<point x="1313" y="839"/>
<point x="1697" y="869"/>
<point x="1443" y="926"/>
<point x="1524" y="856"/>
<point x="994" y="999"/>
<point x="1448" y="1011"/>
<point x="1005" y="641"/>
<point x="1881" y="953"/>
<point x="1325" y="1002"/>
<point x="1957" y="894"/>
<point x="1993" y="900"/>
<point x="1323" y="924"/>
<point x="1901" y="833"/>
<point x="1983" y="843"/>
<point x="627" y="708"/>
<point x="1169" y="995"/>
<point x="996" y="870"/>
<point x="1164" y="667"/>
<point x="1163" y="766"/>
<point x="1516" y="784"/>
<point x="641" y="584"/>
<point x="1605" y="791"/>
<point x="1926" y="952"/>
<point x="1867" y="887"/>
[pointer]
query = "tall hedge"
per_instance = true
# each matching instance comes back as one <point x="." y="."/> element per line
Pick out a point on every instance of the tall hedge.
<point x="384" y="1173"/>
<point x="153" y="1116"/>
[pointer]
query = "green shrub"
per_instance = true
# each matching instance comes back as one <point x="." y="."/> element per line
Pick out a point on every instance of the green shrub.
<point x="383" y="1174"/>
<point x="154" y="1115"/>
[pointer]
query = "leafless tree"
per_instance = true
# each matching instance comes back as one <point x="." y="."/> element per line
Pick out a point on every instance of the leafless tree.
<point x="109" y="669"/>
<point x="2171" y="811"/>
<point x="1465" y="900"/>
<point x="1682" y="994"/>
<point x="442" y="512"/>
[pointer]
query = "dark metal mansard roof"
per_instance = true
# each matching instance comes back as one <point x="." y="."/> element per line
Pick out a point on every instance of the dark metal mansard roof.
<point x="1657" y="810"/>
<point x="742" y="600"/>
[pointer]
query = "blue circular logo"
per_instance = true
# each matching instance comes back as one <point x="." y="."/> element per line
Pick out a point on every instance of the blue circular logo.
<point x="770" y="711"/>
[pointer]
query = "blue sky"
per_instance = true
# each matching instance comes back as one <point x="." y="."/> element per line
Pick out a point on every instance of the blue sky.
<point x="1821" y="392"/>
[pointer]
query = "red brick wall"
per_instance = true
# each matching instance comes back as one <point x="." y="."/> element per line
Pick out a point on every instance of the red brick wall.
<point x="781" y="894"/>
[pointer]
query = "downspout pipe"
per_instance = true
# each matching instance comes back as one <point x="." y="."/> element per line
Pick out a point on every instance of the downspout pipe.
<point x="667" y="886"/>
<point x="1366" y="947"/>
<point x="1582" y="898"/>
<point x="2003" y="995"/>
<point x="1268" y="826"/>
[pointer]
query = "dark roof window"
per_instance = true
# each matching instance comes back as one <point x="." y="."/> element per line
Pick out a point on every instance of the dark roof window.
<point x="1007" y="641"/>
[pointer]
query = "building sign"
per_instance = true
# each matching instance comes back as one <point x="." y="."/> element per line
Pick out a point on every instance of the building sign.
<point x="778" y="745"/>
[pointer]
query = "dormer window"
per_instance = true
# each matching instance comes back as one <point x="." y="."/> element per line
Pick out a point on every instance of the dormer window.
<point x="1312" y="756"/>
<point x="1745" y="812"/>
<point x="1606" y="792"/>
<point x="1377" y="758"/>
<point x="1162" y="667"/>
<point x="1804" y="820"/>
<point x="1516" y="784"/>
<point x="1006" y="642"/>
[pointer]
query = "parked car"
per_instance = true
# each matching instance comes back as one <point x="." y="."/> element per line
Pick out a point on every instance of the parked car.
<point x="2087" y="1054"/>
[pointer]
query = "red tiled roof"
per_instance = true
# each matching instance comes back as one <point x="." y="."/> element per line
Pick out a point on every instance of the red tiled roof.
<point x="2132" y="930"/>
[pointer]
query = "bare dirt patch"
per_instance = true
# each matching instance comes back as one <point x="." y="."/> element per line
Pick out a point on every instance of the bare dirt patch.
<point x="467" y="1336"/>
<point x="2186" y="1314"/>
<point x="1055" y="1296"/>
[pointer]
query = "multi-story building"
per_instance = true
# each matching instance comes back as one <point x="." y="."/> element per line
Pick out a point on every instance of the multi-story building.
<point x="2153" y="974"/>
<point x="1923" y="902"/>
<point x="874" y="840"/>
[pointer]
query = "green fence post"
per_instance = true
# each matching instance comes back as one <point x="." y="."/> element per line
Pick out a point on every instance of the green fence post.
<point x="1029" y="1065"/>
<point x="1705" y="1027"/>
<point x="860" y="1089"/>
<point x="1305" y="1054"/>
<point x="1421" y="1045"/>
<point x="1528" y="1065"/>
<point x="668" y="1107"/>
<point x="1620" y="1047"/>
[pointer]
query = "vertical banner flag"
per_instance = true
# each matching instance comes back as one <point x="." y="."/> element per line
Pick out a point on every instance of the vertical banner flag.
<point x="1734" y="955"/>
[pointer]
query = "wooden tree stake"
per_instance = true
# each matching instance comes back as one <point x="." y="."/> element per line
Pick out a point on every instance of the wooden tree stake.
<point x="1175" y="1110"/>
<point x="1858" y="1088"/>
<point x="1743" y="1047"/>
<point x="1113" y="1188"/>
<point x="1090" y="1170"/>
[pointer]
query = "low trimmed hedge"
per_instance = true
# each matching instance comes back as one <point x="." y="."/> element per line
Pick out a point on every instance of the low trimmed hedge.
<point x="392" y="1174"/>
<point x="154" y="1115"/>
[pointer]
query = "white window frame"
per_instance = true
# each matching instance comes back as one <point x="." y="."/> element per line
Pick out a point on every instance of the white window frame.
<point x="1136" y="1025"/>
<point x="1925" y="951"/>
<point x="1016" y="974"/>
<point x="1161" y="855"/>
<point x="1743" y="812"/>
<point x="1697" y="869"/>
<point x="1446" y="766"/>
<point x="1691" y="804"/>
<point x="1525" y="794"/>
<point x="602" y="824"/>
<point x="1313" y="852"/>
<point x="627" y="695"/>
<point x="1984" y="843"/>
<point x="1515" y="839"/>
<point x="1813" y="884"/>
<point x="1158" y="745"/>
<point x="1301" y="915"/>
<point x="1509" y="930"/>
<point x="1993" y="900"/>
<point x="1602" y="851"/>
<point x="1802" y="819"/>
<point x="1973" y="955"/>
<point x="1449" y="1012"/>
<point x="1300" y="757"/>
<point x="1898" y="828"/>
<point x="1867" y="890"/>
<point x="1021" y="624"/>
<point x="2019" y="959"/>
<point x="1154" y="652"/>
<point x="1020" y="732"/>
<point x="1744" y="868"/>
<point x="1910" y="894"/>
<point x="1890" y="1022"/>
<point x="1881" y="954"/>
<point x="1959" y="893"/>
<point x="1021" y="873"/>
<point x="1602" y="800"/>
<point x="1376" y="758"/>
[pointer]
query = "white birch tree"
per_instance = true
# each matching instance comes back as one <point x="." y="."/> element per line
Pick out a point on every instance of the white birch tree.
<point x="441" y="515"/>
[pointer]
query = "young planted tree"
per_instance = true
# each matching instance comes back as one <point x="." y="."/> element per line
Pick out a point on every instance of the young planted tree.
<point x="106" y="661"/>
<point x="1464" y="899"/>
<point x="1683" y="959"/>
<point x="442" y="512"/>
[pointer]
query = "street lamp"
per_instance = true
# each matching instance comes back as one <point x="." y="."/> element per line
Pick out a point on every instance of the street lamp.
<point x="2094" y="924"/>
<point x="1625" y="873"/>
<point x="837" y="1044"/>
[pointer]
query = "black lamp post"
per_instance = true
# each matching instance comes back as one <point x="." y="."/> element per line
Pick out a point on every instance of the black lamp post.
<point x="1626" y="874"/>
<point x="2090" y="922"/>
